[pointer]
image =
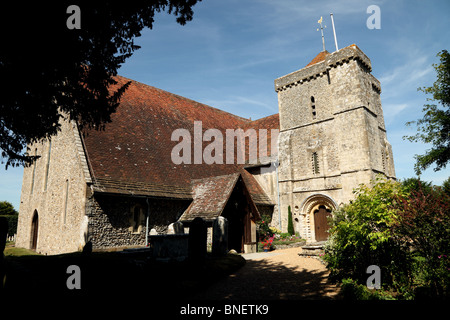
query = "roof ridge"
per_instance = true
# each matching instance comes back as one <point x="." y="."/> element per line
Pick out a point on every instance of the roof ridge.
<point x="184" y="98"/>
<point x="265" y="118"/>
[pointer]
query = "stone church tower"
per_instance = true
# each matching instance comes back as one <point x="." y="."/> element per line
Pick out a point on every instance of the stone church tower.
<point x="332" y="137"/>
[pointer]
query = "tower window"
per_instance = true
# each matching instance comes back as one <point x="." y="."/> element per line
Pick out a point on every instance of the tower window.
<point x="313" y="107"/>
<point x="315" y="163"/>
<point x="383" y="160"/>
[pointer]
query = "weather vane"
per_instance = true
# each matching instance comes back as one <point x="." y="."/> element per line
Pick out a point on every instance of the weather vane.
<point x="321" y="30"/>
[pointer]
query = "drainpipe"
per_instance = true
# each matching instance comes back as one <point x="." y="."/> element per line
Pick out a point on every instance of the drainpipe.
<point x="146" y="222"/>
<point x="277" y="164"/>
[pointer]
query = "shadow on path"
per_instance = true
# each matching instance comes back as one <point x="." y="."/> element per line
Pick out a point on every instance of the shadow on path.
<point x="272" y="280"/>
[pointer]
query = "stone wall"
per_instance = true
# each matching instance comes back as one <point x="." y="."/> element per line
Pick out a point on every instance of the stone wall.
<point x="111" y="219"/>
<point x="55" y="188"/>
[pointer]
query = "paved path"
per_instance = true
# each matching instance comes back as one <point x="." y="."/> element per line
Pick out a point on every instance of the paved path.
<point x="281" y="274"/>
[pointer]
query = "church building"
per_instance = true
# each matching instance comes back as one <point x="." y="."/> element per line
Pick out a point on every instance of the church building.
<point x="113" y="186"/>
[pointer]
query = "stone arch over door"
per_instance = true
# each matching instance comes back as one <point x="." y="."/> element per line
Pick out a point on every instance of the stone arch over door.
<point x="314" y="211"/>
<point x="34" y="230"/>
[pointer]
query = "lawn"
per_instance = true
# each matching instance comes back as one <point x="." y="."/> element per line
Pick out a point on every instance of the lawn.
<point x="10" y="250"/>
<point x="112" y="274"/>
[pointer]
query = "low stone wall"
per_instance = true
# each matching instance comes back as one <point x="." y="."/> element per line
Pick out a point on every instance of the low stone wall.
<point x="172" y="246"/>
<point x="292" y="245"/>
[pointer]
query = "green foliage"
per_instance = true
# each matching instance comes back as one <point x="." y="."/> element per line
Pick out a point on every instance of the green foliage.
<point x="360" y="235"/>
<point x="351" y="290"/>
<point x="7" y="209"/>
<point x="290" y="222"/>
<point x="423" y="226"/>
<point x="414" y="184"/>
<point x="402" y="228"/>
<point x="264" y="229"/>
<point x="434" y="127"/>
<point x="446" y="186"/>
<point x="47" y="68"/>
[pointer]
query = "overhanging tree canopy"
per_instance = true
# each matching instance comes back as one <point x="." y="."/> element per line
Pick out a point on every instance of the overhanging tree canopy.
<point x="48" y="70"/>
<point x="434" y="127"/>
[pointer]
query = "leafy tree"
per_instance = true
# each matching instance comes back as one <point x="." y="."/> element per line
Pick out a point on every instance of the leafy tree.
<point x="446" y="186"/>
<point x="434" y="127"/>
<point x="423" y="225"/>
<point x="49" y="71"/>
<point x="414" y="184"/>
<point x="7" y="209"/>
<point x="8" y="213"/>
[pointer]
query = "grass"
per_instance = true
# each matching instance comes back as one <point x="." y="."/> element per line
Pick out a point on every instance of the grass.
<point x="10" y="250"/>
<point x="112" y="274"/>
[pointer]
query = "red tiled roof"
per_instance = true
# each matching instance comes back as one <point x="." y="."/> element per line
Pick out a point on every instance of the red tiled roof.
<point x="319" y="58"/>
<point x="210" y="196"/>
<point x="133" y="154"/>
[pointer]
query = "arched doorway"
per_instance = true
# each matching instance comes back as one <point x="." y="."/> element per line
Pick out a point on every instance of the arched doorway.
<point x="315" y="211"/>
<point x="34" y="231"/>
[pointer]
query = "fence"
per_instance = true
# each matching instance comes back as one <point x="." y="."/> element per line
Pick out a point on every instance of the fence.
<point x="11" y="238"/>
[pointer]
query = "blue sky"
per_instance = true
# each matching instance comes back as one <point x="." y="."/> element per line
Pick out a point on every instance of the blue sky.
<point x="230" y="54"/>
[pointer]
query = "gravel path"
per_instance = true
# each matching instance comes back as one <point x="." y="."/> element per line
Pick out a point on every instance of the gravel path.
<point x="281" y="274"/>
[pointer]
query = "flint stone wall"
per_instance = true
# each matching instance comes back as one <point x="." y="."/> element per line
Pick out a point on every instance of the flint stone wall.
<point x="110" y="219"/>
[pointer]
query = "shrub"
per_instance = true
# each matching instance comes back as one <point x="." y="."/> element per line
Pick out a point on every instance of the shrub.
<point x="402" y="228"/>
<point x="351" y="290"/>
<point x="360" y="236"/>
<point x="423" y="225"/>
<point x="290" y="222"/>
<point x="264" y="229"/>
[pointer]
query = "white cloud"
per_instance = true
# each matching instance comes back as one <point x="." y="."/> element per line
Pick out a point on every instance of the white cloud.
<point x="407" y="76"/>
<point x="390" y="111"/>
<point x="239" y="101"/>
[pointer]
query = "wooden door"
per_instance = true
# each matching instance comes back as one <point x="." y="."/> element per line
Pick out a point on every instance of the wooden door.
<point x="247" y="237"/>
<point x="321" y="223"/>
